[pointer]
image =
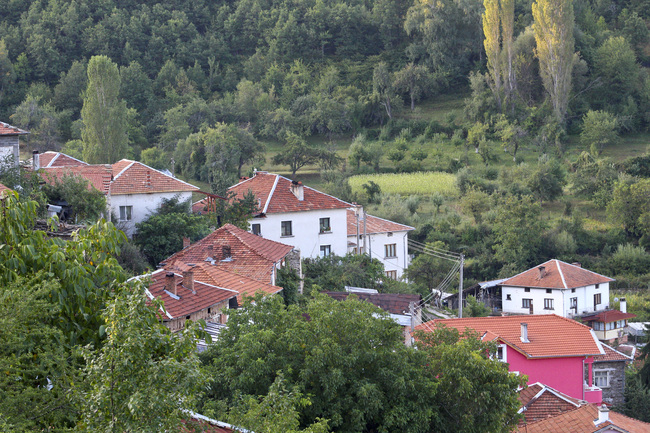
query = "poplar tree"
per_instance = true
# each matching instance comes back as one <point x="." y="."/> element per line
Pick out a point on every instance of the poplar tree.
<point x="492" y="44"/>
<point x="104" y="135"/>
<point x="507" y="34"/>
<point x="553" y="27"/>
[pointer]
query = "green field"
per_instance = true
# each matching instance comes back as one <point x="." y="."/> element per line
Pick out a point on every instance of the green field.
<point x="421" y="183"/>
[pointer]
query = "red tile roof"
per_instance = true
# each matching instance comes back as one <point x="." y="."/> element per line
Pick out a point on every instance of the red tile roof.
<point x="274" y="194"/>
<point x="204" y="295"/>
<point x="611" y="354"/>
<point x="608" y="316"/>
<point x="133" y="177"/>
<point x="581" y="420"/>
<point x="58" y="159"/>
<point x="251" y="255"/>
<point x="4" y="189"/>
<point x="7" y="129"/>
<point x="373" y="225"/>
<point x="243" y="285"/>
<point x="394" y="303"/>
<point x="556" y="275"/>
<point x="98" y="176"/>
<point x="549" y="335"/>
<point x="539" y="401"/>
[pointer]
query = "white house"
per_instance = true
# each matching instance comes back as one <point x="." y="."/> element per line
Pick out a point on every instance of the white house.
<point x="318" y="224"/>
<point x="133" y="190"/>
<point x="138" y="190"/>
<point x="381" y="239"/>
<point x="293" y="214"/>
<point x="9" y="143"/>
<point x="556" y="287"/>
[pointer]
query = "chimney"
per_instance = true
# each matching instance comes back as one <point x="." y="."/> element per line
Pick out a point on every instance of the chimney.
<point x="578" y="264"/>
<point x="542" y="272"/>
<point x="603" y="415"/>
<point x="186" y="242"/>
<point x="298" y="190"/>
<point x="170" y="283"/>
<point x="36" y="160"/>
<point x="524" y="333"/>
<point x="623" y="306"/>
<point x="188" y="278"/>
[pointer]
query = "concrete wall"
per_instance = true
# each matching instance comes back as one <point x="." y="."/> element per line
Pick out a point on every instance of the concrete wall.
<point x="143" y="206"/>
<point x="561" y="299"/>
<point x="306" y="234"/>
<point x="9" y="147"/>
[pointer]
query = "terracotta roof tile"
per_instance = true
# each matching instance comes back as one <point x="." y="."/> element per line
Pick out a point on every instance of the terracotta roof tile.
<point x="205" y="294"/>
<point x="274" y="194"/>
<point x="133" y="177"/>
<point x="7" y="129"/>
<point x="581" y="420"/>
<point x="243" y="285"/>
<point x="58" y="159"/>
<point x="549" y="335"/>
<point x="608" y="316"/>
<point x="539" y="401"/>
<point x="373" y="225"/>
<point x="98" y="176"/>
<point x="611" y="354"/>
<point x="250" y="255"/>
<point x="394" y="303"/>
<point x="557" y="275"/>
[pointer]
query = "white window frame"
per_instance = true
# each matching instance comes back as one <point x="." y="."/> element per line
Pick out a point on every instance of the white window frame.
<point x="325" y="250"/>
<point x="126" y="213"/>
<point x="504" y="353"/>
<point x="606" y="378"/>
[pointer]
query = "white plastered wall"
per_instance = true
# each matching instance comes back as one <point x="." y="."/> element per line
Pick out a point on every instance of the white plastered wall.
<point x="143" y="206"/>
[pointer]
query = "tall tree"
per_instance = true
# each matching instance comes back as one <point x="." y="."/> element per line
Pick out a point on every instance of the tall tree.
<point x="553" y="28"/>
<point x="507" y="37"/>
<point x="414" y="80"/>
<point x="492" y="44"/>
<point x="103" y="114"/>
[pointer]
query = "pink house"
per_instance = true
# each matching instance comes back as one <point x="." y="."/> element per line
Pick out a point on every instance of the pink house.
<point x="547" y="348"/>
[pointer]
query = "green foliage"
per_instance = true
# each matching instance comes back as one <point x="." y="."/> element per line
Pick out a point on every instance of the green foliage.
<point x="593" y="178"/>
<point x="630" y="259"/>
<point x="40" y="119"/>
<point x="85" y="267"/>
<point x="143" y="378"/>
<point x="475" y="202"/>
<point x="289" y="280"/>
<point x="637" y="398"/>
<point x="409" y="183"/>
<point x="161" y="235"/>
<point x="104" y="114"/>
<point x="630" y="206"/>
<point x="616" y="63"/>
<point x="598" y="131"/>
<point x="34" y="377"/>
<point x="475" y="308"/>
<point x="297" y="154"/>
<point x="546" y="181"/>
<point x="373" y="191"/>
<point x="86" y="203"/>
<point x="156" y="158"/>
<point x="334" y="272"/>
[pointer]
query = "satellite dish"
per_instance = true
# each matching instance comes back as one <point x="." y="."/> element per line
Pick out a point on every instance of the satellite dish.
<point x="615" y="299"/>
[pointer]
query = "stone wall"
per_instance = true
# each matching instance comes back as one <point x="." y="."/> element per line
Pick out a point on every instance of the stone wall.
<point x="613" y="394"/>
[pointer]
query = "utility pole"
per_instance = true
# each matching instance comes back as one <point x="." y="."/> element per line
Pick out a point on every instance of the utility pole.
<point x="460" y="287"/>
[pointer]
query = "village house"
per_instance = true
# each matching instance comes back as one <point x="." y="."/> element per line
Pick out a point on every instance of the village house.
<point x="547" y="410"/>
<point x="547" y="348"/>
<point x="238" y="251"/>
<point x="556" y="287"/>
<point x="319" y="224"/>
<point x="133" y="192"/>
<point x="10" y="144"/>
<point x="381" y="239"/>
<point x="609" y="374"/>
<point x="402" y="307"/>
<point x="610" y="325"/>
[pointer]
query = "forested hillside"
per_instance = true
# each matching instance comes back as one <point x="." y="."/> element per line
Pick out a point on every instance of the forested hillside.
<point x="526" y="107"/>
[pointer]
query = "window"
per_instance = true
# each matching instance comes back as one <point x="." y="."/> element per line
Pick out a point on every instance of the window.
<point x="126" y="213"/>
<point x="601" y="378"/>
<point x="573" y="290"/>
<point x="596" y="299"/>
<point x="549" y="290"/>
<point x="390" y="250"/>
<point x="257" y="229"/>
<point x="508" y="297"/>
<point x="226" y="252"/>
<point x="325" y="250"/>
<point x="574" y="303"/>
<point x="527" y="289"/>
<point x="526" y="303"/>
<point x="285" y="228"/>
<point x="391" y="274"/>
<point x="501" y="353"/>
<point x="598" y="326"/>
<point x="548" y="304"/>
<point x="325" y="225"/>
<point x="597" y="285"/>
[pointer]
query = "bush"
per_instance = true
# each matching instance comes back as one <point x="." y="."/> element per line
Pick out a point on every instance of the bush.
<point x="630" y="259"/>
